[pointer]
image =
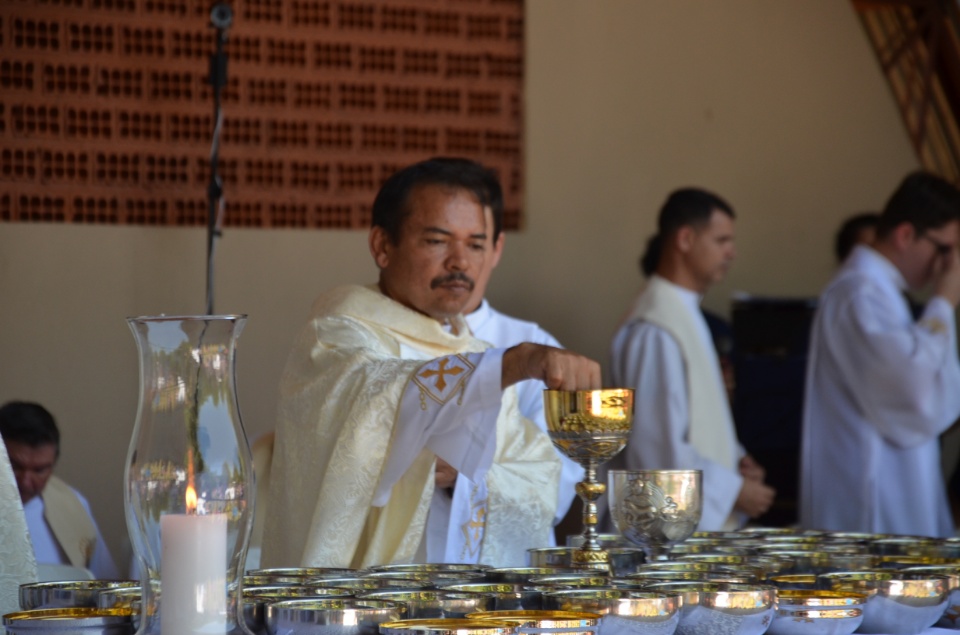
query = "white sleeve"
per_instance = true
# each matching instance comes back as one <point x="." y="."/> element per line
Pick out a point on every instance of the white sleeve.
<point x="530" y="401"/>
<point x="647" y="359"/>
<point x="906" y="380"/>
<point x="530" y="395"/>
<point x="450" y="407"/>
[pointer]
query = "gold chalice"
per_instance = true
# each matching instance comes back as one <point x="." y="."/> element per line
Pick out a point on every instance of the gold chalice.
<point x="590" y="427"/>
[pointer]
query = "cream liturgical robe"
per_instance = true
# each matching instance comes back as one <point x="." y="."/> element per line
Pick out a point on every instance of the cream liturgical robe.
<point x="880" y="390"/>
<point x="17" y="564"/>
<point x="372" y="393"/>
<point x="682" y="417"/>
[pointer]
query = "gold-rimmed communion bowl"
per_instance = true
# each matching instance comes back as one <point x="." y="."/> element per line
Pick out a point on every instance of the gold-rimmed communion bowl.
<point x="817" y="612"/>
<point x="623" y="612"/>
<point x="256" y="598"/>
<point x="342" y="616"/>
<point x="67" y="593"/>
<point x="708" y="608"/>
<point x="70" y="621"/>
<point x="951" y="616"/>
<point x="590" y="427"/>
<point x="897" y="603"/>
<point x="656" y="509"/>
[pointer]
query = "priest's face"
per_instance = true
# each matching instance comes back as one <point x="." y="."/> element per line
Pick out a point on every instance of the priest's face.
<point x="32" y="466"/>
<point x="711" y="251"/>
<point x="443" y="243"/>
<point x="927" y="253"/>
<point x="494" y="251"/>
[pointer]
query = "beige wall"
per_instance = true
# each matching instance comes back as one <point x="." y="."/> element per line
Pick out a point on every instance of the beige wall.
<point x="778" y="106"/>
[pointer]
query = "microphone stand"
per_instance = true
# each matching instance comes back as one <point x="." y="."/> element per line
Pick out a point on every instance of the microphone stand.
<point x="221" y="18"/>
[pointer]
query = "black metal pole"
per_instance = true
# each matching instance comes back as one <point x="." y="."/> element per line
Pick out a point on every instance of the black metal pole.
<point x="221" y="17"/>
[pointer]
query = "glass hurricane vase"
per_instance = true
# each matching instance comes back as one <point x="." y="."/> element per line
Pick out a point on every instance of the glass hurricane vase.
<point x="188" y="490"/>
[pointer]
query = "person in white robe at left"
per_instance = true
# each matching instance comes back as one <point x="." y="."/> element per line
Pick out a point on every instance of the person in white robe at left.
<point x="398" y="436"/>
<point x="61" y="526"/>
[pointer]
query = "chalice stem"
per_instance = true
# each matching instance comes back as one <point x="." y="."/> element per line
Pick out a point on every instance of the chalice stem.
<point x="589" y="490"/>
<point x="657" y="552"/>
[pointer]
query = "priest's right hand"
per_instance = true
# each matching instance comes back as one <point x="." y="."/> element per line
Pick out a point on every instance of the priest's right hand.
<point x="947" y="277"/>
<point x="445" y="476"/>
<point x="558" y="368"/>
<point x="754" y="498"/>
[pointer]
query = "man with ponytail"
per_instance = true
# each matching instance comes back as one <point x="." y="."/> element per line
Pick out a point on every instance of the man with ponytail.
<point x="664" y="351"/>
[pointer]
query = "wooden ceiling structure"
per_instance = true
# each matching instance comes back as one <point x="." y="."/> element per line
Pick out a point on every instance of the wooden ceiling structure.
<point x="918" y="45"/>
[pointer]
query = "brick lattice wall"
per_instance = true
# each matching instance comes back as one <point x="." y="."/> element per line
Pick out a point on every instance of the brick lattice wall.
<point x="106" y="110"/>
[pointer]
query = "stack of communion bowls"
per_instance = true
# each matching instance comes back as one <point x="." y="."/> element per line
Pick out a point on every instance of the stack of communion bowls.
<point x="355" y="601"/>
<point x="781" y="581"/>
<point x="819" y="583"/>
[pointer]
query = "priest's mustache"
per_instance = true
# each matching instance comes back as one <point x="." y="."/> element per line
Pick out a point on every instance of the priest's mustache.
<point x="452" y="277"/>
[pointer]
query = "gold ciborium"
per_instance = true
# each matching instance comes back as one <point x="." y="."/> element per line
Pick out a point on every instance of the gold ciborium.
<point x="590" y="427"/>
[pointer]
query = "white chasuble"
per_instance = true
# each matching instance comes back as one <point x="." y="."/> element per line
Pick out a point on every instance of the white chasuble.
<point x="880" y="389"/>
<point x="371" y="395"/>
<point x="17" y="564"/>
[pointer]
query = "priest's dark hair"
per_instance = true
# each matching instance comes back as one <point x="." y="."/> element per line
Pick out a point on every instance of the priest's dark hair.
<point x="688" y="206"/>
<point x="924" y="200"/>
<point x="391" y="206"/>
<point x="28" y="423"/>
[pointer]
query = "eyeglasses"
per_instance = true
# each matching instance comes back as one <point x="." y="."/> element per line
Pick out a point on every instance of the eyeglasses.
<point x="943" y="249"/>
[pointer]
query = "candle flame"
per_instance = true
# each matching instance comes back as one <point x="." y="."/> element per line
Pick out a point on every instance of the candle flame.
<point x="191" y="499"/>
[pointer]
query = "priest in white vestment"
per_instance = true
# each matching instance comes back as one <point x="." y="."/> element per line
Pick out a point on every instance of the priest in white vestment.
<point x="398" y="436"/>
<point x="882" y="387"/>
<point x="664" y="351"/>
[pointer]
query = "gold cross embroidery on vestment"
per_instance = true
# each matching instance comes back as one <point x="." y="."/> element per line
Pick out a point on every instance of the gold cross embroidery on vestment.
<point x="432" y="379"/>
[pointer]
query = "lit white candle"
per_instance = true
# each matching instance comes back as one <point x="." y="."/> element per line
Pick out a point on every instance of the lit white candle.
<point x="193" y="568"/>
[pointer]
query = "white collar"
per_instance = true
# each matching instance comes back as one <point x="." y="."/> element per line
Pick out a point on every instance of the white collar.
<point x="864" y="256"/>
<point x="480" y="316"/>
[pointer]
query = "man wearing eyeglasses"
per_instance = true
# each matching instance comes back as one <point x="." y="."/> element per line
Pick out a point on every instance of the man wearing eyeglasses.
<point x="881" y="387"/>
